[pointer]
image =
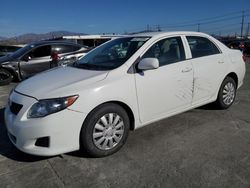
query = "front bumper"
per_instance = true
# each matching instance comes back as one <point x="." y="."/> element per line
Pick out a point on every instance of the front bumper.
<point x="62" y="129"/>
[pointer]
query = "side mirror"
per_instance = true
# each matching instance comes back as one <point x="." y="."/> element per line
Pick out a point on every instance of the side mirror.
<point x="26" y="58"/>
<point x="148" y="64"/>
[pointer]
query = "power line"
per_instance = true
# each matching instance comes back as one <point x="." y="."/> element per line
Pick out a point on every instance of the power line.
<point x="198" y="23"/>
<point x="221" y="27"/>
<point x="215" y="17"/>
<point x="239" y="13"/>
<point x="229" y="30"/>
<point x="221" y="16"/>
<point x="204" y="23"/>
<point x="224" y="30"/>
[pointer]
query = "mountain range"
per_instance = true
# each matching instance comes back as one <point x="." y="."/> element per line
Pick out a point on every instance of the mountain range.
<point x="2" y="38"/>
<point x="32" y="37"/>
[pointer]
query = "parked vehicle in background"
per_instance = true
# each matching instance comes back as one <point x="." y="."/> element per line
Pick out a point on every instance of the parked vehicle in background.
<point x="91" y="41"/>
<point x="246" y="53"/>
<point x="35" y="58"/>
<point x="239" y="44"/>
<point x="9" y="49"/>
<point x="119" y="86"/>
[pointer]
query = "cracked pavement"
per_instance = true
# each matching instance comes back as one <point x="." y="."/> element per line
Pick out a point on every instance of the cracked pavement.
<point x="200" y="148"/>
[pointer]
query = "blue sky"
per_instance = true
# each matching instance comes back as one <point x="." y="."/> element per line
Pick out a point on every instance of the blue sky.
<point x="116" y="16"/>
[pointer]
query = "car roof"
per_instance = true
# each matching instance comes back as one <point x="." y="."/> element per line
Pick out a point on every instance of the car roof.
<point x="159" y="34"/>
<point x="54" y="42"/>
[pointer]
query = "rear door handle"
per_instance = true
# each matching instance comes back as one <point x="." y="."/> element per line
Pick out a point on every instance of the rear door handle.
<point x="186" y="70"/>
<point x="220" y="62"/>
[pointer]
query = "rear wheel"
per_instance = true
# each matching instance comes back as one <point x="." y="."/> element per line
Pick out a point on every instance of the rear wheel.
<point x="227" y="93"/>
<point x="105" y="130"/>
<point x="5" y="77"/>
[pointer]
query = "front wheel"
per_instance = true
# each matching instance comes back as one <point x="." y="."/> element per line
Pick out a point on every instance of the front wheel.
<point x="105" y="130"/>
<point x="5" y="77"/>
<point x="227" y="93"/>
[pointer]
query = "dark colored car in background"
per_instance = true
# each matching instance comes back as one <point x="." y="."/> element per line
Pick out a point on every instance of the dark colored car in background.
<point x="8" y="49"/>
<point x="35" y="58"/>
<point x="246" y="53"/>
<point x="240" y="44"/>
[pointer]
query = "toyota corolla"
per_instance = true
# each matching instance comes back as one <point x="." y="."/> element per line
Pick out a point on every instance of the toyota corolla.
<point x="120" y="86"/>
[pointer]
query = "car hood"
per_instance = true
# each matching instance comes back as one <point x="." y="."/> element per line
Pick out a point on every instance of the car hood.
<point x="59" y="82"/>
<point x="5" y="59"/>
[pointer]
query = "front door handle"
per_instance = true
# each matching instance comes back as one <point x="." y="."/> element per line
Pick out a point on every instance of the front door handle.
<point x="220" y="62"/>
<point x="186" y="70"/>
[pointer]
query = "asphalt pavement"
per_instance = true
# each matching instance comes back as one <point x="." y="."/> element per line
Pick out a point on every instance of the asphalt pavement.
<point x="204" y="147"/>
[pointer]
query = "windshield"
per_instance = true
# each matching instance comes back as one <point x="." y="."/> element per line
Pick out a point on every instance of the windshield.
<point x="112" y="54"/>
<point x="21" y="51"/>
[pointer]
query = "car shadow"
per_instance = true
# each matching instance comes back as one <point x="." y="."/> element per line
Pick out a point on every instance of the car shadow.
<point x="8" y="150"/>
<point x="80" y="154"/>
<point x="211" y="106"/>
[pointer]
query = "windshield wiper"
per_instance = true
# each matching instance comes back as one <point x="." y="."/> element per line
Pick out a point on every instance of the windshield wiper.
<point x="85" y="66"/>
<point x="92" y="66"/>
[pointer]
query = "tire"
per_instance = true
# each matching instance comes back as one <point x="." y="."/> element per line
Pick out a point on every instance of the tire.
<point x="99" y="140"/>
<point x="227" y="93"/>
<point x="5" y="77"/>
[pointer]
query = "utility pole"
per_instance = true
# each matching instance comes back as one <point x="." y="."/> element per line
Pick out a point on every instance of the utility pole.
<point x="247" y="32"/>
<point x="242" y="24"/>
<point x="147" y="28"/>
<point x="158" y="27"/>
<point x="198" y="29"/>
<point x="16" y="38"/>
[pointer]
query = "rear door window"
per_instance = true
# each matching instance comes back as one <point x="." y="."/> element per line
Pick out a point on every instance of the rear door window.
<point x="61" y="48"/>
<point x="201" y="46"/>
<point x="41" y="51"/>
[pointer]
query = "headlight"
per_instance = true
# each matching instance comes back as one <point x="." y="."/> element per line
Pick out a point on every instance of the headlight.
<point x="49" y="106"/>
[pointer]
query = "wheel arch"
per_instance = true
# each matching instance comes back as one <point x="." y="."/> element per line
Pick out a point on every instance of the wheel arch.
<point x="126" y="107"/>
<point x="220" y="104"/>
<point x="12" y="71"/>
<point x="86" y="134"/>
<point x="234" y="76"/>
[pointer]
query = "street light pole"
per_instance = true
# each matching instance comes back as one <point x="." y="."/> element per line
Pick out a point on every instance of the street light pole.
<point x="247" y="32"/>
<point x="242" y="24"/>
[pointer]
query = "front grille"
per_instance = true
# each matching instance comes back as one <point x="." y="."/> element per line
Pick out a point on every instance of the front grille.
<point x="15" y="108"/>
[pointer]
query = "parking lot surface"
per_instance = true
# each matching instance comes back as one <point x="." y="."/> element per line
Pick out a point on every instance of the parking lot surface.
<point x="204" y="147"/>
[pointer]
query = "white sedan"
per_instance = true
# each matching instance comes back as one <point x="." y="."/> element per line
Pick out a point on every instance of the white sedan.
<point x="120" y="86"/>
